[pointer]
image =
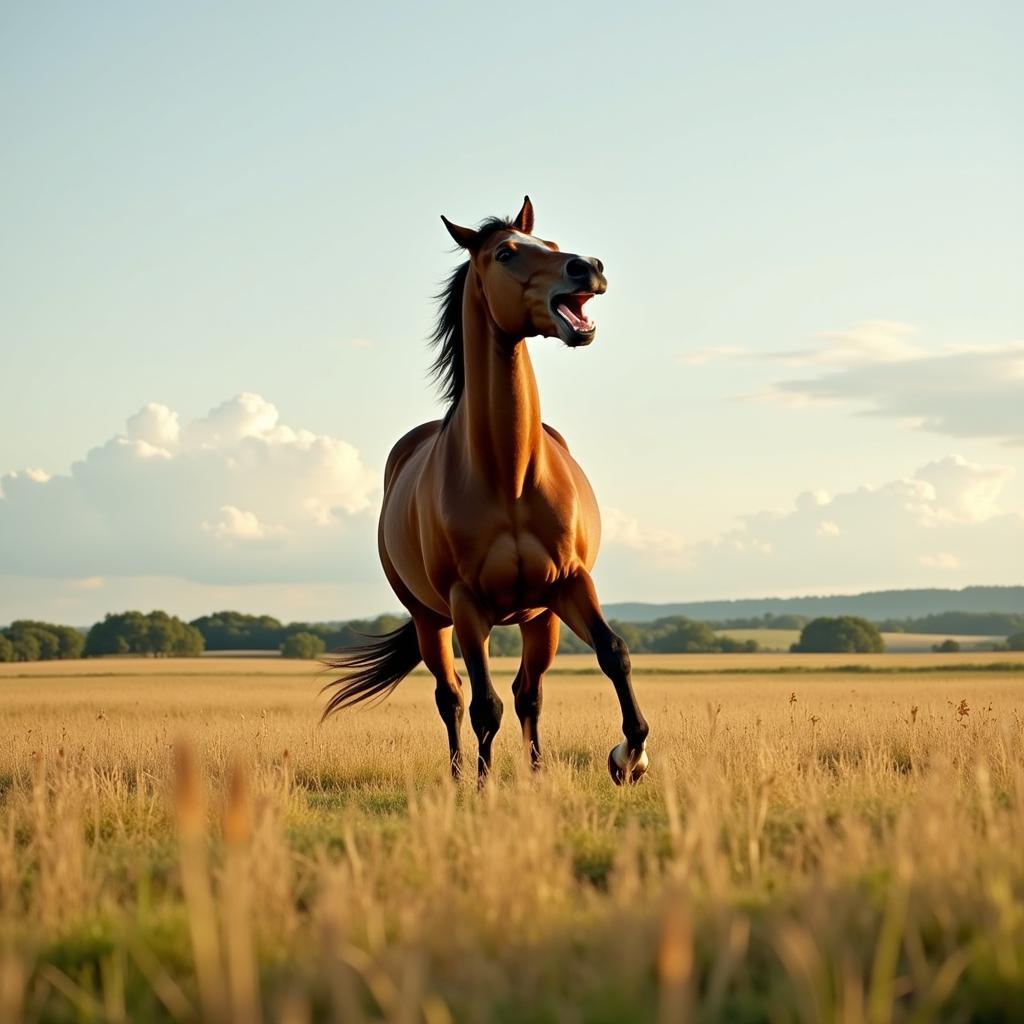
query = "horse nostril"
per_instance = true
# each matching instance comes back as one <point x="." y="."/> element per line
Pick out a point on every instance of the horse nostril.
<point x="599" y="265"/>
<point x="579" y="268"/>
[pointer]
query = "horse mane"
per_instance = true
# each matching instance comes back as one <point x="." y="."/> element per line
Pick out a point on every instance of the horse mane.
<point x="447" y="370"/>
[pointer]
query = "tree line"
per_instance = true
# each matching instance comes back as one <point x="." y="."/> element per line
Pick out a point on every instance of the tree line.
<point x="28" y="640"/>
<point x="964" y="623"/>
<point x="225" y="631"/>
<point x="158" y="634"/>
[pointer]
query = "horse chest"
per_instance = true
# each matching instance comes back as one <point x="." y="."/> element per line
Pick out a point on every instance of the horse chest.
<point x="511" y="560"/>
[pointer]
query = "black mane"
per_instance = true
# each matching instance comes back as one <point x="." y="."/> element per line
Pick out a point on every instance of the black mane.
<point x="447" y="368"/>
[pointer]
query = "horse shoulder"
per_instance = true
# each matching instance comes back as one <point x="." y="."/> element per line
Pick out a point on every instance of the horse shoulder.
<point x="406" y="445"/>
<point x="578" y="501"/>
<point x="556" y="435"/>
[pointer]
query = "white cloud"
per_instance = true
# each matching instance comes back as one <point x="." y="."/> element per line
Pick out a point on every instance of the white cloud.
<point x="872" y="341"/>
<point x="234" y="496"/>
<point x="88" y="583"/>
<point x="962" y="391"/>
<point x="155" y="425"/>
<point x="946" y="517"/>
<point x="942" y="560"/>
<point x="235" y="524"/>
<point x="622" y="530"/>
<point x="884" y="369"/>
<point x="703" y="356"/>
<point x="245" y="415"/>
<point x="964" y="492"/>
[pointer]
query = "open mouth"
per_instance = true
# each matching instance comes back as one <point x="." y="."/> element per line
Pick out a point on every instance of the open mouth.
<point x="570" y="309"/>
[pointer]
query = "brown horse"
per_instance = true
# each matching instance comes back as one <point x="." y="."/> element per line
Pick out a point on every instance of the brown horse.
<point x="487" y="519"/>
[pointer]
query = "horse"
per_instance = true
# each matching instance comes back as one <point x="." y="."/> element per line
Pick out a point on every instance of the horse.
<point x="487" y="519"/>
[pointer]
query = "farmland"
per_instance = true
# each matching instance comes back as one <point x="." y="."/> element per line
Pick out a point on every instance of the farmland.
<point x="829" y="837"/>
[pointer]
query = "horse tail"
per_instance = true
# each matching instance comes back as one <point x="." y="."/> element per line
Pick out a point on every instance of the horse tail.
<point x="373" y="667"/>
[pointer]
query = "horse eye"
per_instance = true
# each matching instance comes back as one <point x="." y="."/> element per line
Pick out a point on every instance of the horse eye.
<point x="503" y="255"/>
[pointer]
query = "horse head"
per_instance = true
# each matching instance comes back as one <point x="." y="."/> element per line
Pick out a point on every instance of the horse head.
<point x="529" y="285"/>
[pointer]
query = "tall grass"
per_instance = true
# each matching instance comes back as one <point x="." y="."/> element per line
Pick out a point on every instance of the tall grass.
<point x="178" y="846"/>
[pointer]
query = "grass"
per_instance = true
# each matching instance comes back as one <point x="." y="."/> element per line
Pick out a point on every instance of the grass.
<point x="180" y="840"/>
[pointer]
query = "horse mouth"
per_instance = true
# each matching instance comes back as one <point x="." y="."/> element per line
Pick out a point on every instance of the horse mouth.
<point x="569" y="312"/>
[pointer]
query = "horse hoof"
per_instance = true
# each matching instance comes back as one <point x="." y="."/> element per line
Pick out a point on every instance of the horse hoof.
<point x="620" y="769"/>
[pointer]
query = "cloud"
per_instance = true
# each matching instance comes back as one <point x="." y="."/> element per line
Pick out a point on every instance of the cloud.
<point x="946" y="517"/>
<point x="942" y="560"/>
<point x="88" y="583"/>
<point x="872" y="341"/>
<point x="966" y="392"/>
<point x="622" y="530"/>
<point x="964" y="492"/>
<point x="154" y="424"/>
<point x="885" y="369"/>
<point x="236" y="524"/>
<point x="237" y="503"/>
<point x="235" y="496"/>
<point x="703" y="356"/>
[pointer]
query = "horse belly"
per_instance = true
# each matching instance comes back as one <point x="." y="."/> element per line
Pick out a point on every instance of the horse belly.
<point x="401" y="538"/>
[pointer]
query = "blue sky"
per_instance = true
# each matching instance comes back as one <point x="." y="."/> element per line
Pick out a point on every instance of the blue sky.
<point x="811" y="220"/>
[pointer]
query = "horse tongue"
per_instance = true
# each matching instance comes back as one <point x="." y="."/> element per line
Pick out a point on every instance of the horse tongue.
<point x="569" y="315"/>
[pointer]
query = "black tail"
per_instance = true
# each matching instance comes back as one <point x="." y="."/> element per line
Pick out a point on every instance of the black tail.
<point x="373" y="667"/>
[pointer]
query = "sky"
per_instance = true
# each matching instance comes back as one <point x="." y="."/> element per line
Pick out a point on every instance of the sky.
<point x="220" y="234"/>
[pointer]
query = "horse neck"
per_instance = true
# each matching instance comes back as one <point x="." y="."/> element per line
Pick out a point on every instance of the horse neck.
<point x="501" y="405"/>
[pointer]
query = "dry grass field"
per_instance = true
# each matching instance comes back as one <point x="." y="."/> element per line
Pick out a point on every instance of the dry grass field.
<point x="181" y="840"/>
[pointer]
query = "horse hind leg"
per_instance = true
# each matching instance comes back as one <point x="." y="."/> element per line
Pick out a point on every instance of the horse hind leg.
<point x="436" y="647"/>
<point x="540" y="641"/>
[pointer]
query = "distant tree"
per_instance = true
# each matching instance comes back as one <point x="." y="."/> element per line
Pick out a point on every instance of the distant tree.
<point x="684" y="636"/>
<point x="964" y="623"/>
<point x="303" y="645"/>
<point x="730" y="645"/>
<point x="43" y="641"/>
<point x="72" y="641"/>
<point x="134" y="633"/>
<point x="37" y="637"/>
<point x="767" y="621"/>
<point x="845" y="634"/>
<point x="946" y="647"/>
<point x="6" y="649"/>
<point x="570" y="643"/>
<point x="235" y="631"/>
<point x="1015" y="642"/>
<point x="506" y="641"/>
<point x="26" y="647"/>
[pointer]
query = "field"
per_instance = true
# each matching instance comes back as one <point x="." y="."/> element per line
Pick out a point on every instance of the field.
<point x="181" y="840"/>
<point x="897" y="643"/>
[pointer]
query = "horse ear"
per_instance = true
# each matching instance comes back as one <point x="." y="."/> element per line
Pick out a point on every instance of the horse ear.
<point x="524" y="219"/>
<point x="464" y="237"/>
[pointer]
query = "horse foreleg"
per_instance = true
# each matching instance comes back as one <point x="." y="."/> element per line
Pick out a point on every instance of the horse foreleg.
<point x="577" y="606"/>
<point x="540" y="641"/>
<point x="472" y="627"/>
<point x="436" y="647"/>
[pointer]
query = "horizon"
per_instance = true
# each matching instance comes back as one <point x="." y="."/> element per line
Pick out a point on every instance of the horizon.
<point x="399" y="611"/>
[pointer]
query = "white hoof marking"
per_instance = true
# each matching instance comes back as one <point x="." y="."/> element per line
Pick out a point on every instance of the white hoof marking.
<point x="620" y="755"/>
